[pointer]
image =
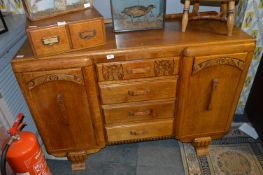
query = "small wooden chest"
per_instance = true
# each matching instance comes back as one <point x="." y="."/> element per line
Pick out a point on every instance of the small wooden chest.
<point x="73" y="31"/>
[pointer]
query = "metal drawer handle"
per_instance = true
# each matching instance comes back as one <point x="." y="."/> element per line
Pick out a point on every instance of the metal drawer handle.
<point x="141" y="113"/>
<point x="138" y="70"/>
<point x="50" y="41"/>
<point x="138" y="92"/>
<point x="88" y="34"/>
<point x="140" y="132"/>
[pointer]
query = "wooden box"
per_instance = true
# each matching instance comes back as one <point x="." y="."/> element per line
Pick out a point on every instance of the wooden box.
<point x="65" y="33"/>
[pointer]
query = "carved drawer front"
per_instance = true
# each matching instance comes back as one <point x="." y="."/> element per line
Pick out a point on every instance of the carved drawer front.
<point x="50" y="40"/>
<point x="138" y="90"/>
<point x="137" y="69"/>
<point x="138" y="131"/>
<point x="87" y="34"/>
<point x="137" y="111"/>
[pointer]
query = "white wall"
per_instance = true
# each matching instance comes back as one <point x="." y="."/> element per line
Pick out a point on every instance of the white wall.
<point x="172" y="6"/>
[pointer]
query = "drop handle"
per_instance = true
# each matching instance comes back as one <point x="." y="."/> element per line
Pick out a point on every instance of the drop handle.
<point x="139" y="132"/>
<point x="142" y="70"/>
<point x="140" y="113"/>
<point x="88" y="34"/>
<point x="212" y="94"/>
<point x="138" y="92"/>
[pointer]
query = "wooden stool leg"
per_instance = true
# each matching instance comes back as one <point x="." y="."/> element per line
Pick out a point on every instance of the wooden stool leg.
<point x="223" y="11"/>
<point x="231" y="16"/>
<point x="196" y="8"/>
<point x="185" y="15"/>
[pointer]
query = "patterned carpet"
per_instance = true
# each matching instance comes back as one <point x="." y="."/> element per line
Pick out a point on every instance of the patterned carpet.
<point x="235" y="154"/>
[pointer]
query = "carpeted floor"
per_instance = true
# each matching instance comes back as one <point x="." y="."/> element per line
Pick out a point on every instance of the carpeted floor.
<point x="235" y="154"/>
<point x="146" y="158"/>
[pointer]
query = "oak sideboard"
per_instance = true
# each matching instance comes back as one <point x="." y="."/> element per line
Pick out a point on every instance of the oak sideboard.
<point x="142" y="85"/>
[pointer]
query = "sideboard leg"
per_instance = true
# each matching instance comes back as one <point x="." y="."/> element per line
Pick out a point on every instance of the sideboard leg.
<point x="78" y="160"/>
<point x="201" y="145"/>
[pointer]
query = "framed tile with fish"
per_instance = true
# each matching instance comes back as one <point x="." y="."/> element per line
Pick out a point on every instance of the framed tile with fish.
<point x="135" y="15"/>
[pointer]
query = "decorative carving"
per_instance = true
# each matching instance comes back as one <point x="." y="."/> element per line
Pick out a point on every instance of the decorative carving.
<point x="77" y="160"/>
<point x="164" y="67"/>
<point x="219" y="61"/>
<point x="139" y="140"/>
<point x="112" y="72"/>
<point x="54" y="77"/>
<point x="201" y="145"/>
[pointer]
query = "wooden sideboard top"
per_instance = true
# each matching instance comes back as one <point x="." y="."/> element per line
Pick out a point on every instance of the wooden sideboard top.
<point x="198" y="33"/>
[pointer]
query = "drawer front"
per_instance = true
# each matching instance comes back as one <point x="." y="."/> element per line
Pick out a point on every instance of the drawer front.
<point x="137" y="111"/>
<point x="49" y="40"/>
<point x="138" y="69"/>
<point x="87" y="34"/>
<point x="131" y="91"/>
<point x="140" y="130"/>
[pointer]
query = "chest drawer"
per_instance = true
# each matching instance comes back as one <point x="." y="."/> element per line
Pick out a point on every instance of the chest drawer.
<point x="87" y="34"/>
<point x="50" y="40"/>
<point x="138" y="111"/>
<point x="138" y="69"/>
<point x="131" y="91"/>
<point x="140" y="130"/>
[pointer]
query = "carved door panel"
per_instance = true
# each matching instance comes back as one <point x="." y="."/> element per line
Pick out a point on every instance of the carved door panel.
<point x="60" y="107"/>
<point x="208" y="94"/>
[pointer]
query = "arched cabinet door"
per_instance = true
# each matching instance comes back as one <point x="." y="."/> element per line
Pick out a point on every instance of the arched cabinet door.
<point x="61" y="110"/>
<point x="209" y="90"/>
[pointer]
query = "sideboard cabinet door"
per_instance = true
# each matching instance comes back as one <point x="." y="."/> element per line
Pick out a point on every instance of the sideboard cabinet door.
<point x="60" y="106"/>
<point x="209" y="90"/>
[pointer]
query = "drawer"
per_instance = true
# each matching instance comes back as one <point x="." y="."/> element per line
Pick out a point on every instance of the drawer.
<point x="87" y="34"/>
<point x="138" y="111"/>
<point x="138" y="90"/>
<point x="50" y="40"/>
<point x="138" y="69"/>
<point x="140" y="130"/>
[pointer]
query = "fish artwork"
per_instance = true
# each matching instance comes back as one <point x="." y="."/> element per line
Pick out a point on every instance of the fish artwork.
<point x="137" y="11"/>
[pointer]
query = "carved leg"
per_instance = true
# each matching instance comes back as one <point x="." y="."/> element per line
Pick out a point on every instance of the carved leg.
<point x="77" y="160"/>
<point x="201" y="145"/>
<point x="231" y="16"/>
<point x="185" y="15"/>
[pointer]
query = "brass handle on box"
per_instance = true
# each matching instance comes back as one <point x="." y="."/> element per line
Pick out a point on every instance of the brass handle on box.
<point x="138" y="92"/>
<point x="138" y="70"/>
<point x="140" y="132"/>
<point x="50" y="41"/>
<point x="141" y="113"/>
<point x="88" y="34"/>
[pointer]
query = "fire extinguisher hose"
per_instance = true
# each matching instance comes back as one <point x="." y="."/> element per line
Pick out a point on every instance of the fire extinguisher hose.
<point x="3" y="156"/>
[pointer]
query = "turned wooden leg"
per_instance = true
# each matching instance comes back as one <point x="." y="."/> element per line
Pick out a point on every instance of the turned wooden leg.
<point x="196" y="8"/>
<point x="185" y="15"/>
<point x="201" y="145"/>
<point x="223" y="11"/>
<point x="77" y="160"/>
<point x="231" y="16"/>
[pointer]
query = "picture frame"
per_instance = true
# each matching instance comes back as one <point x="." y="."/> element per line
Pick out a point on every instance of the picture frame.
<point x="3" y="26"/>
<point x="134" y="15"/>
<point x="42" y="9"/>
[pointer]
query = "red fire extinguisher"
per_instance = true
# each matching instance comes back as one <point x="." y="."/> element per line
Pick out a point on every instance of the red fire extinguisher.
<point x="23" y="152"/>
